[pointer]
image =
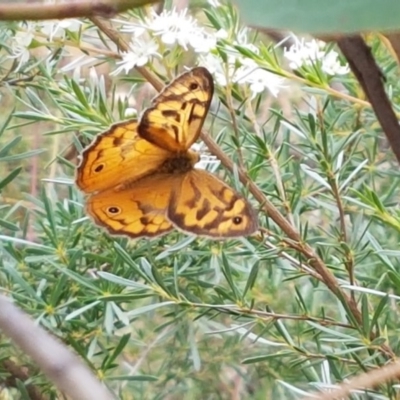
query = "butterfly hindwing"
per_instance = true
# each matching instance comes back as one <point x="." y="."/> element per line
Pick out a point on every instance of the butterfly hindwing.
<point x="204" y="205"/>
<point x="117" y="156"/>
<point x="174" y="120"/>
<point x="137" y="210"/>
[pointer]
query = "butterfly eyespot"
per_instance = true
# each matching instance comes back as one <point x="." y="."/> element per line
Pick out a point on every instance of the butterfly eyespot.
<point x="194" y="86"/>
<point x="237" y="220"/>
<point x="99" y="168"/>
<point x="113" y="210"/>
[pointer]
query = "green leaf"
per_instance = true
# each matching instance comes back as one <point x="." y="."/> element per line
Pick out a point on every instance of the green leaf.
<point x="122" y="281"/>
<point x="8" y="225"/>
<point x="148" y="308"/>
<point x="365" y="314"/>
<point x="21" y="156"/>
<point x="138" y="378"/>
<point x="6" y="149"/>
<point x="118" y="350"/>
<point x="251" y="280"/>
<point x="10" y="177"/>
<point x="378" y="311"/>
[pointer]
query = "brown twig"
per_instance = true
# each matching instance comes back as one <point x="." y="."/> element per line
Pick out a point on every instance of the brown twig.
<point x="367" y="72"/>
<point x="392" y="43"/>
<point x="75" y="9"/>
<point x="365" y="381"/>
<point x="273" y="162"/>
<point x="273" y="316"/>
<point x="62" y="366"/>
<point x="229" y="102"/>
<point x="287" y="244"/>
<point x="18" y="374"/>
<point x="349" y="262"/>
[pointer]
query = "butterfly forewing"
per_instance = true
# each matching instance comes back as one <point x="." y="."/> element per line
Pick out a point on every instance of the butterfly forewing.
<point x="177" y="114"/>
<point x="117" y="156"/>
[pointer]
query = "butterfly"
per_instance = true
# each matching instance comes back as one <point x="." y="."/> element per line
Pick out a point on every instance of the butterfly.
<point x="140" y="176"/>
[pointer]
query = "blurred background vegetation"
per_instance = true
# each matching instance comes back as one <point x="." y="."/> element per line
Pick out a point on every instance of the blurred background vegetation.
<point x="181" y="317"/>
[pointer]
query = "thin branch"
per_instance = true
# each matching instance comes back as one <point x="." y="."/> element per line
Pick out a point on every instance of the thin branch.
<point x="365" y="381"/>
<point x="18" y="373"/>
<point x="332" y="92"/>
<point x="75" y="9"/>
<point x="271" y="315"/>
<point x="297" y="264"/>
<point x="273" y="162"/>
<point x="368" y="74"/>
<point x="335" y="191"/>
<point x="61" y="365"/>
<point x="229" y="102"/>
<point x="349" y="261"/>
<point x="392" y="43"/>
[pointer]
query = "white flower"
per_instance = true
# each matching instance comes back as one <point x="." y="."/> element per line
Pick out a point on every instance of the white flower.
<point x="310" y="53"/>
<point x="222" y="72"/>
<point x="131" y="27"/>
<point x="175" y="27"/>
<point x="207" y="161"/>
<point x="237" y="68"/>
<point x="130" y="112"/>
<point x="57" y="29"/>
<point x="258" y="79"/>
<point x="222" y="34"/>
<point x="332" y="66"/>
<point x="172" y="26"/>
<point x="304" y="53"/>
<point x="202" y="43"/>
<point x="249" y="73"/>
<point x="140" y="53"/>
<point x="20" y="45"/>
<point x="241" y="36"/>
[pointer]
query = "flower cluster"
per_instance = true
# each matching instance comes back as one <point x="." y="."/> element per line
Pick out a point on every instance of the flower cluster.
<point x="173" y="28"/>
<point x="305" y="54"/>
<point x="22" y="39"/>
<point x="20" y="43"/>
<point x="141" y="51"/>
<point x="217" y="52"/>
<point x="170" y="28"/>
<point x="156" y="35"/>
<point x="248" y="73"/>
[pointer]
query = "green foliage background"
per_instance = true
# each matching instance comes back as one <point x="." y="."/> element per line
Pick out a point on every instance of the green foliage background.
<point x="185" y="317"/>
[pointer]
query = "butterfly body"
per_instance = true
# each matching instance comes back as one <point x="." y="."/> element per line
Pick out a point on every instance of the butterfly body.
<point x="141" y="177"/>
<point x="180" y="163"/>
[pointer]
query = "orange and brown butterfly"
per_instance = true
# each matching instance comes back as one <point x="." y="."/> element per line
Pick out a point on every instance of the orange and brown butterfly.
<point x="140" y="177"/>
